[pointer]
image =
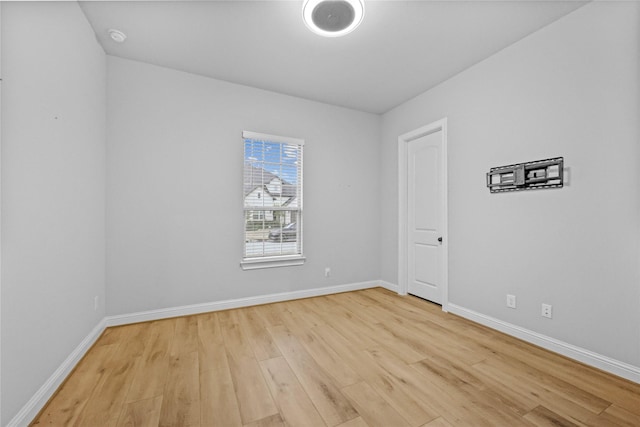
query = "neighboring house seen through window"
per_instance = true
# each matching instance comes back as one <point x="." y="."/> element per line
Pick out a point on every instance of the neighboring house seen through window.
<point x="272" y="194"/>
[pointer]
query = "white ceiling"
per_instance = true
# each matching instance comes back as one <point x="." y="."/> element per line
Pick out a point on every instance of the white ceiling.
<point x="401" y="49"/>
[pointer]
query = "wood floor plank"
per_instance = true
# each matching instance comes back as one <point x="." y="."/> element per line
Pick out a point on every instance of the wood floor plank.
<point x="398" y="375"/>
<point x="151" y="377"/>
<point x="324" y="393"/>
<point x="269" y="314"/>
<point x="617" y="416"/>
<point x="438" y="422"/>
<point x="293" y="403"/>
<point x="209" y="332"/>
<point x="297" y="323"/>
<point x="270" y="421"/>
<point x="388" y="386"/>
<point x="181" y="402"/>
<point x="510" y="377"/>
<point x="439" y="397"/>
<point x="186" y="335"/>
<point x="135" y="342"/>
<point x="321" y="353"/>
<point x="459" y="408"/>
<point x="428" y="319"/>
<point x="562" y="388"/>
<point x="106" y="401"/>
<point x="328" y="359"/>
<point x="376" y="335"/>
<point x="336" y="318"/>
<point x="354" y="305"/>
<point x="519" y="397"/>
<point x="426" y="340"/>
<point x="143" y="413"/>
<point x="379" y="335"/>
<point x="372" y="407"/>
<point x="218" y="403"/>
<point x="113" y="335"/>
<point x="419" y="303"/>
<point x="367" y="308"/>
<point x="356" y="422"/>
<point x="574" y="381"/>
<point x="261" y="341"/>
<point x="403" y="305"/>
<point x="254" y="399"/>
<point x="228" y="318"/>
<point x="70" y="399"/>
<point x="415" y="311"/>
<point x="543" y="417"/>
<point x="622" y="392"/>
<point x="308" y="318"/>
<point x="464" y="378"/>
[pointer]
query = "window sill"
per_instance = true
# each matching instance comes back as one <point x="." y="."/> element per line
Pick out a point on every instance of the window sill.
<point x="271" y="262"/>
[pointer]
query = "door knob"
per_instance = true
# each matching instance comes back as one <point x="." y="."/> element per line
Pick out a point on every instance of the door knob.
<point x="440" y="239"/>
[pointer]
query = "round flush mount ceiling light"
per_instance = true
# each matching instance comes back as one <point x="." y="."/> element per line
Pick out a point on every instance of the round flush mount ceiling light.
<point x="117" y="36"/>
<point x="332" y="18"/>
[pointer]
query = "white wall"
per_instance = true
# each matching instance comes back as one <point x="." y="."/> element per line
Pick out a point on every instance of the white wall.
<point x="568" y="90"/>
<point x="174" y="189"/>
<point x="53" y="191"/>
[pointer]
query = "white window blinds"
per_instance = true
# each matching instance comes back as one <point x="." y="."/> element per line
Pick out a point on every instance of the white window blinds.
<point x="272" y="194"/>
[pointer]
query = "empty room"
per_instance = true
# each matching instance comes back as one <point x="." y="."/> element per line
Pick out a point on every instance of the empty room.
<point x="336" y="213"/>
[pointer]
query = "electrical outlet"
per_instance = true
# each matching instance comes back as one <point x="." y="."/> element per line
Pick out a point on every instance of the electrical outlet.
<point x="327" y="272"/>
<point x="547" y="310"/>
<point x="511" y="301"/>
<point x="95" y="303"/>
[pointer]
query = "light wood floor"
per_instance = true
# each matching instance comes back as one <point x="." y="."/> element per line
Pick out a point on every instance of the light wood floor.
<point x="366" y="358"/>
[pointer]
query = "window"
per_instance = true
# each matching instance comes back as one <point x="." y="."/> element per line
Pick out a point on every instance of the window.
<point x="272" y="195"/>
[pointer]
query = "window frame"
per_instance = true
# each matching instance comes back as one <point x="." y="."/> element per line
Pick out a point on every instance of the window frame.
<point x="270" y="261"/>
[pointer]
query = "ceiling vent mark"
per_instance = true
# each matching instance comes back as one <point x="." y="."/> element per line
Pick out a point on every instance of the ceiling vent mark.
<point x="117" y="35"/>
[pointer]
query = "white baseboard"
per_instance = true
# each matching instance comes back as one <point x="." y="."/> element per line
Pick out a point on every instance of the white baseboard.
<point x="42" y="396"/>
<point x="588" y="357"/>
<point x="187" y="310"/>
<point x="388" y="285"/>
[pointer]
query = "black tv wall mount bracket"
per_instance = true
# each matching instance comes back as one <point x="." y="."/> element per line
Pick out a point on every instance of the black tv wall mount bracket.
<point x="533" y="175"/>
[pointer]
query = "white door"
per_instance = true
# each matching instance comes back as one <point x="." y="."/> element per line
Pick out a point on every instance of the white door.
<point x="424" y="217"/>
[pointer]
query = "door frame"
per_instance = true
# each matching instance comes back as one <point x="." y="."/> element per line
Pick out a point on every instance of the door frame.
<point x="403" y="201"/>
